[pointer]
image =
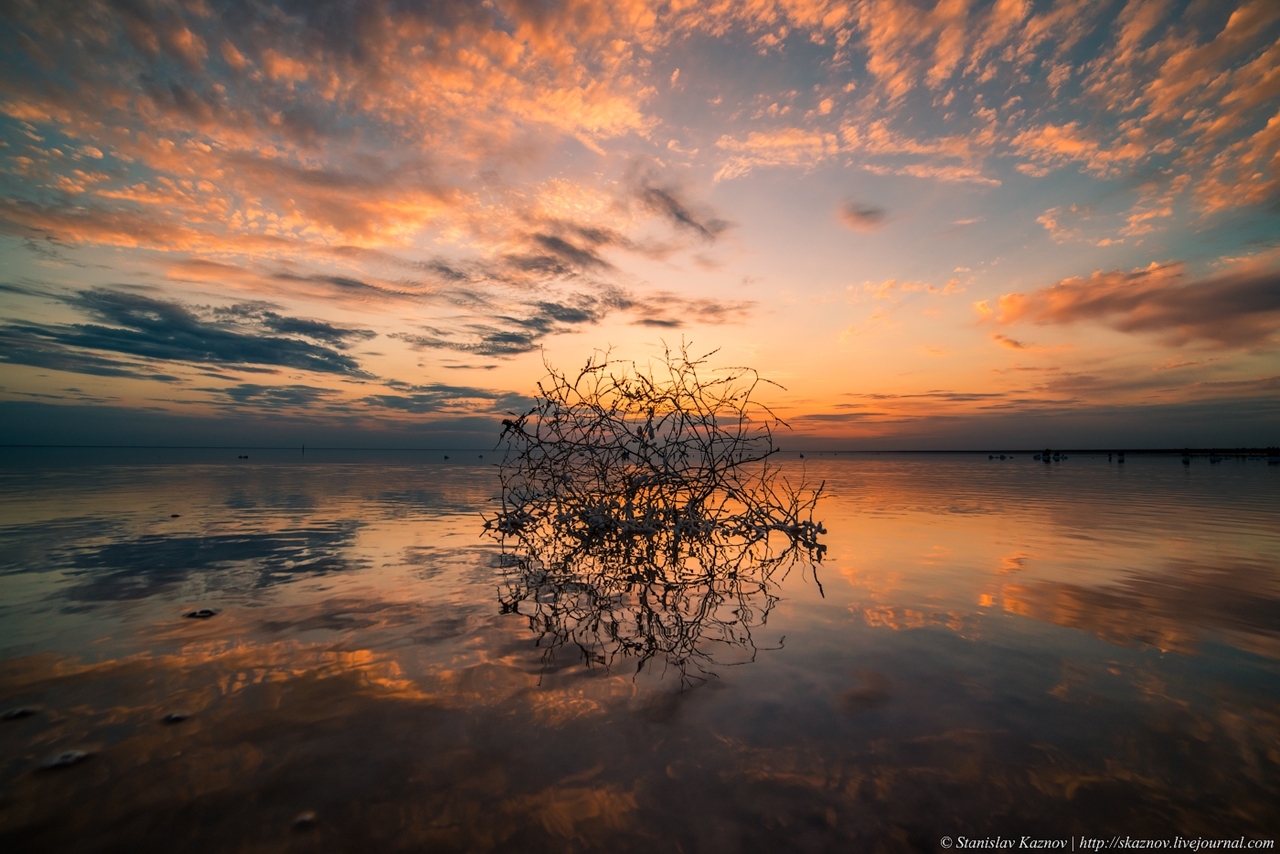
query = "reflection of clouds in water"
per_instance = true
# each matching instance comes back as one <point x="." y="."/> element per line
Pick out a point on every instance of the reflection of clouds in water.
<point x="1014" y="563"/>
<point x="871" y="693"/>
<point x="436" y="761"/>
<point x="142" y="566"/>
<point x="106" y="532"/>
<point x="1152" y="556"/>
<point x="408" y="714"/>
<point x="1174" y="609"/>
<point x="421" y="620"/>
<point x="563" y="811"/>
<point x="467" y="742"/>
<point x="899" y="618"/>
<point x="29" y="546"/>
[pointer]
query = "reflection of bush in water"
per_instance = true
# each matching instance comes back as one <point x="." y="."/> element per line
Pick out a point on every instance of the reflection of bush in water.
<point x="643" y="515"/>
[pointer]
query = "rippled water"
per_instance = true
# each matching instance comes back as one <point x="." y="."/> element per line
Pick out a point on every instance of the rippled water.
<point x="989" y="648"/>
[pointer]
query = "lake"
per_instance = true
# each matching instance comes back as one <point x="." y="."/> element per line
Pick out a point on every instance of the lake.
<point x="988" y="648"/>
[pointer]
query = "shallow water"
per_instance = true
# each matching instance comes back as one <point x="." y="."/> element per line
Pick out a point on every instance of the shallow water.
<point x="1082" y="648"/>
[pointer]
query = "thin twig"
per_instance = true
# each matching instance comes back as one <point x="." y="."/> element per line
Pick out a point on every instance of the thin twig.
<point x="642" y="513"/>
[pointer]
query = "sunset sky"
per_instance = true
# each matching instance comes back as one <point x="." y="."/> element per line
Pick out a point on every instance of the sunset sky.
<point x="364" y="222"/>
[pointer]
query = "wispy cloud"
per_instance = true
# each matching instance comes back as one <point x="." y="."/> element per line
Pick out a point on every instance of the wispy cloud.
<point x="510" y="333"/>
<point x="141" y="327"/>
<point x="792" y="147"/>
<point x="441" y="398"/>
<point x="1228" y="311"/>
<point x="667" y="202"/>
<point x="286" y="184"/>
<point x="276" y="397"/>
<point x="861" y="217"/>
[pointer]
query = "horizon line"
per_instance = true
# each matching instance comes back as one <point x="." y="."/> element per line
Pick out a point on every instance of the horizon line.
<point x="301" y="448"/>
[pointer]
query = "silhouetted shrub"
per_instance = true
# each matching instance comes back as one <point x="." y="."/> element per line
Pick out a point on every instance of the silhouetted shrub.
<point x="641" y="514"/>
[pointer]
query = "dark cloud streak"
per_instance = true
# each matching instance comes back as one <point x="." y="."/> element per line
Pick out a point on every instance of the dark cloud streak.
<point x="276" y="397"/>
<point x="1241" y="310"/>
<point x="665" y="202"/>
<point x="23" y="344"/>
<point x="147" y="328"/>
<point x="510" y="334"/>
<point x="861" y="217"/>
<point x="441" y="398"/>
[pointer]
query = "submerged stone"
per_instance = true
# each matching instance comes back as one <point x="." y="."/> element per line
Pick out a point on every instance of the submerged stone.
<point x="65" y="759"/>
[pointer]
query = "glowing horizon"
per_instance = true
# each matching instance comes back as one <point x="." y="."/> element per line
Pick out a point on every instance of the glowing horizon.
<point x="937" y="225"/>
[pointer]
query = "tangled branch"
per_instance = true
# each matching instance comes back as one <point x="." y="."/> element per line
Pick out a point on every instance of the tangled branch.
<point x="641" y="515"/>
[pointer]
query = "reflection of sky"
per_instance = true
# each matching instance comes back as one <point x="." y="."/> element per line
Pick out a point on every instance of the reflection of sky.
<point x="80" y="537"/>
<point x="1152" y="555"/>
<point x="1000" y="645"/>
<point x="366" y="222"/>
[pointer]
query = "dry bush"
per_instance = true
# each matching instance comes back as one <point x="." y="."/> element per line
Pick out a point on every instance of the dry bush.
<point x="641" y="514"/>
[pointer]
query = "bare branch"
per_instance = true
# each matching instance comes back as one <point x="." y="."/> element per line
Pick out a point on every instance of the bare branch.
<point x="641" y="515"/>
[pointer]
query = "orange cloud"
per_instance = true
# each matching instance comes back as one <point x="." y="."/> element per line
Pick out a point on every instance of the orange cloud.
<point x="895" y="35"/>
<point x="1053" y="146"/>
<point x="1231" y="311"/>
<point x="1239" y="176"/>
<point x="1005" y="341"/>
<point x="955" y="158"/>
<point x="784" y="147"/>
<point x="1060" y="222"/>
<point x="862" y="217"/>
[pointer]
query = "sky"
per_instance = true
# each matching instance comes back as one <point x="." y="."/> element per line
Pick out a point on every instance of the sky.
<point x="376" y="223"/>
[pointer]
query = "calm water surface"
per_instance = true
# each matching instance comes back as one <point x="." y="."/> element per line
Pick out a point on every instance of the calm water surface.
<point x="989" y="648"/>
